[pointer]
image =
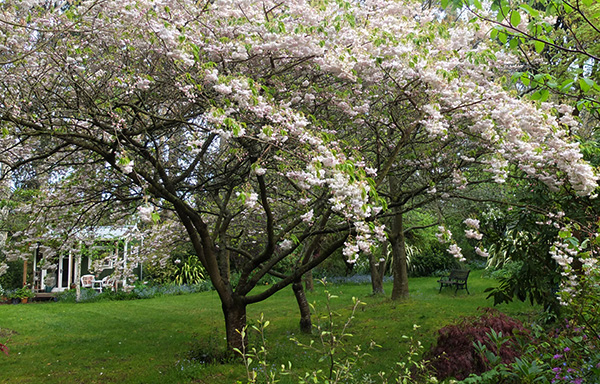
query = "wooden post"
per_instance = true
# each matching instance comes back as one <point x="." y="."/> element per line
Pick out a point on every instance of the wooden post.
<point x="70" y="270"/>
<point x="60" y="272"/>
<point x="24" y="272"/>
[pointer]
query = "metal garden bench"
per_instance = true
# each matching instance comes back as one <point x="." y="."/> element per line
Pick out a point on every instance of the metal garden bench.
<point x="457" y="279"/>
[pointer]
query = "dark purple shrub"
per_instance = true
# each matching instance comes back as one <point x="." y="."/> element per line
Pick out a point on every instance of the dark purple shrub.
<point x="454" y="354"/>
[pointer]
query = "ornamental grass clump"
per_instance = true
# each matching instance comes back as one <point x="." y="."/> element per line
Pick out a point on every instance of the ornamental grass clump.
<point x="455" y="353"/>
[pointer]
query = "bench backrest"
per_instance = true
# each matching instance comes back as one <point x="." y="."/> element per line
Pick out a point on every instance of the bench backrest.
<point x="459" y="274"/>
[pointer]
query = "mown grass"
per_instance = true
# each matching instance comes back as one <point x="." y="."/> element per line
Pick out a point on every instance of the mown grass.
<point x="148" y="341"/>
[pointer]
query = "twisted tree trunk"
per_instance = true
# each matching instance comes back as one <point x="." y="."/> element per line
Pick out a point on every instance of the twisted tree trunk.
<point x="305" y="319"/>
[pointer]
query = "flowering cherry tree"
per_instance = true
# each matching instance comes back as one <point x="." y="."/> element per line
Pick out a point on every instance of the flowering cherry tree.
<point x="260" y="127"/>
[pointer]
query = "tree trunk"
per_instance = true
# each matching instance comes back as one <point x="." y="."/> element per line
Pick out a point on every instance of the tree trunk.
<point x="235" y="321"/>
<point x="399" y="266"/>
<point x="377" y="269"/>
<point x="305" y="320"/>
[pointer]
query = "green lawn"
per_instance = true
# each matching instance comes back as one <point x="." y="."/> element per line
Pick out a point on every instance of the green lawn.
<point x="147" y="341"/>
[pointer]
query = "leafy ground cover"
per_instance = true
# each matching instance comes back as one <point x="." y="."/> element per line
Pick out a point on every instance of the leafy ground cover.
<point x="149" y="341"/>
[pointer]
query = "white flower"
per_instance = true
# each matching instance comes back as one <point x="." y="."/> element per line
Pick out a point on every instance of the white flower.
<point x="260" y="171"/>
<point x="212" y="76"/>
<point x="471" y="234"/>
<point x="351" y="252"/>
<point x="3" y="268"/>
<point x="456" y="251"/>
<point x="145" y="212"/>
<point x="223" y="89"/>
<point x="251" y="200"/>
<point x="286" y="244"/>
<point x="473" y="223"/>
<point x="371" y="171"/>
<point x="444" y="235"/>
<point x="308" y="216"/>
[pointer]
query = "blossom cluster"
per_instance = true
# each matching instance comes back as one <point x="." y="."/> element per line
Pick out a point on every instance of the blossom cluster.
<point x="237" y="79"/>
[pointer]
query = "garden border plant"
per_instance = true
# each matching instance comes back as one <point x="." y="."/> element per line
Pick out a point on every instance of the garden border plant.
<point x="140" y="291"/>
<point x="456" y="353"/>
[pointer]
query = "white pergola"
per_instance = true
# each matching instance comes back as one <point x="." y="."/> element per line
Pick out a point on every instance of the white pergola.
<point x="72" y="270"/>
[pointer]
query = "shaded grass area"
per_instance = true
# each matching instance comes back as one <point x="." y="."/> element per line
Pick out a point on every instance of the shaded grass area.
<point x="148" y="341"/>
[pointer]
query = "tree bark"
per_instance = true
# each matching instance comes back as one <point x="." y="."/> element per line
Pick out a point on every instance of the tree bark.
<point x="235" y="321"/>
<point x="399" y="266"/>
<point x="305" y="319"/>
<point x="377" y="269"/>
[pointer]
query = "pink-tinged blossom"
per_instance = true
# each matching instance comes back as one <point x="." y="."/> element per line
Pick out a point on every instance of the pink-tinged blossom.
<point x="351" y="252"/>
<point x="459" y="179"/>
<point x="473" y="223"/>
<point x="223" y="89"/>
<point x="286" y="244"/>
<point x="251" y="200"/>
<point x="308" y="216"/>
<point x="444" y="235"/>
<point x="456" y="251"/>
<point x="473" y="234"/>
<point x="212" y="75"/>
<point x="145" y="213"/>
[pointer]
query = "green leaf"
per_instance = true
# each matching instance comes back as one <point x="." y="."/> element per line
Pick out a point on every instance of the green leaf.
<point x="567" y="7"/>
<point x="566" y="85"/>
<point x="502" y="37"/>
<point x="515" y="18"/>
<point x="586" y="84"/>
<point x="564" y="234"/>
<point x="539" y="46"/>
<point x="493" y="33"/>
<point x="527" y="8"/>
<point x="544" y="94"/>
<point x="514" y="43"/>
<point x="295" y="239"/>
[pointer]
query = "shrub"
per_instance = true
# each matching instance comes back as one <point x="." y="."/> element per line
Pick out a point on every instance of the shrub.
<point x="455" y="354"/>
<point x="431" y="262"/>
<point x="13" y="277"/>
